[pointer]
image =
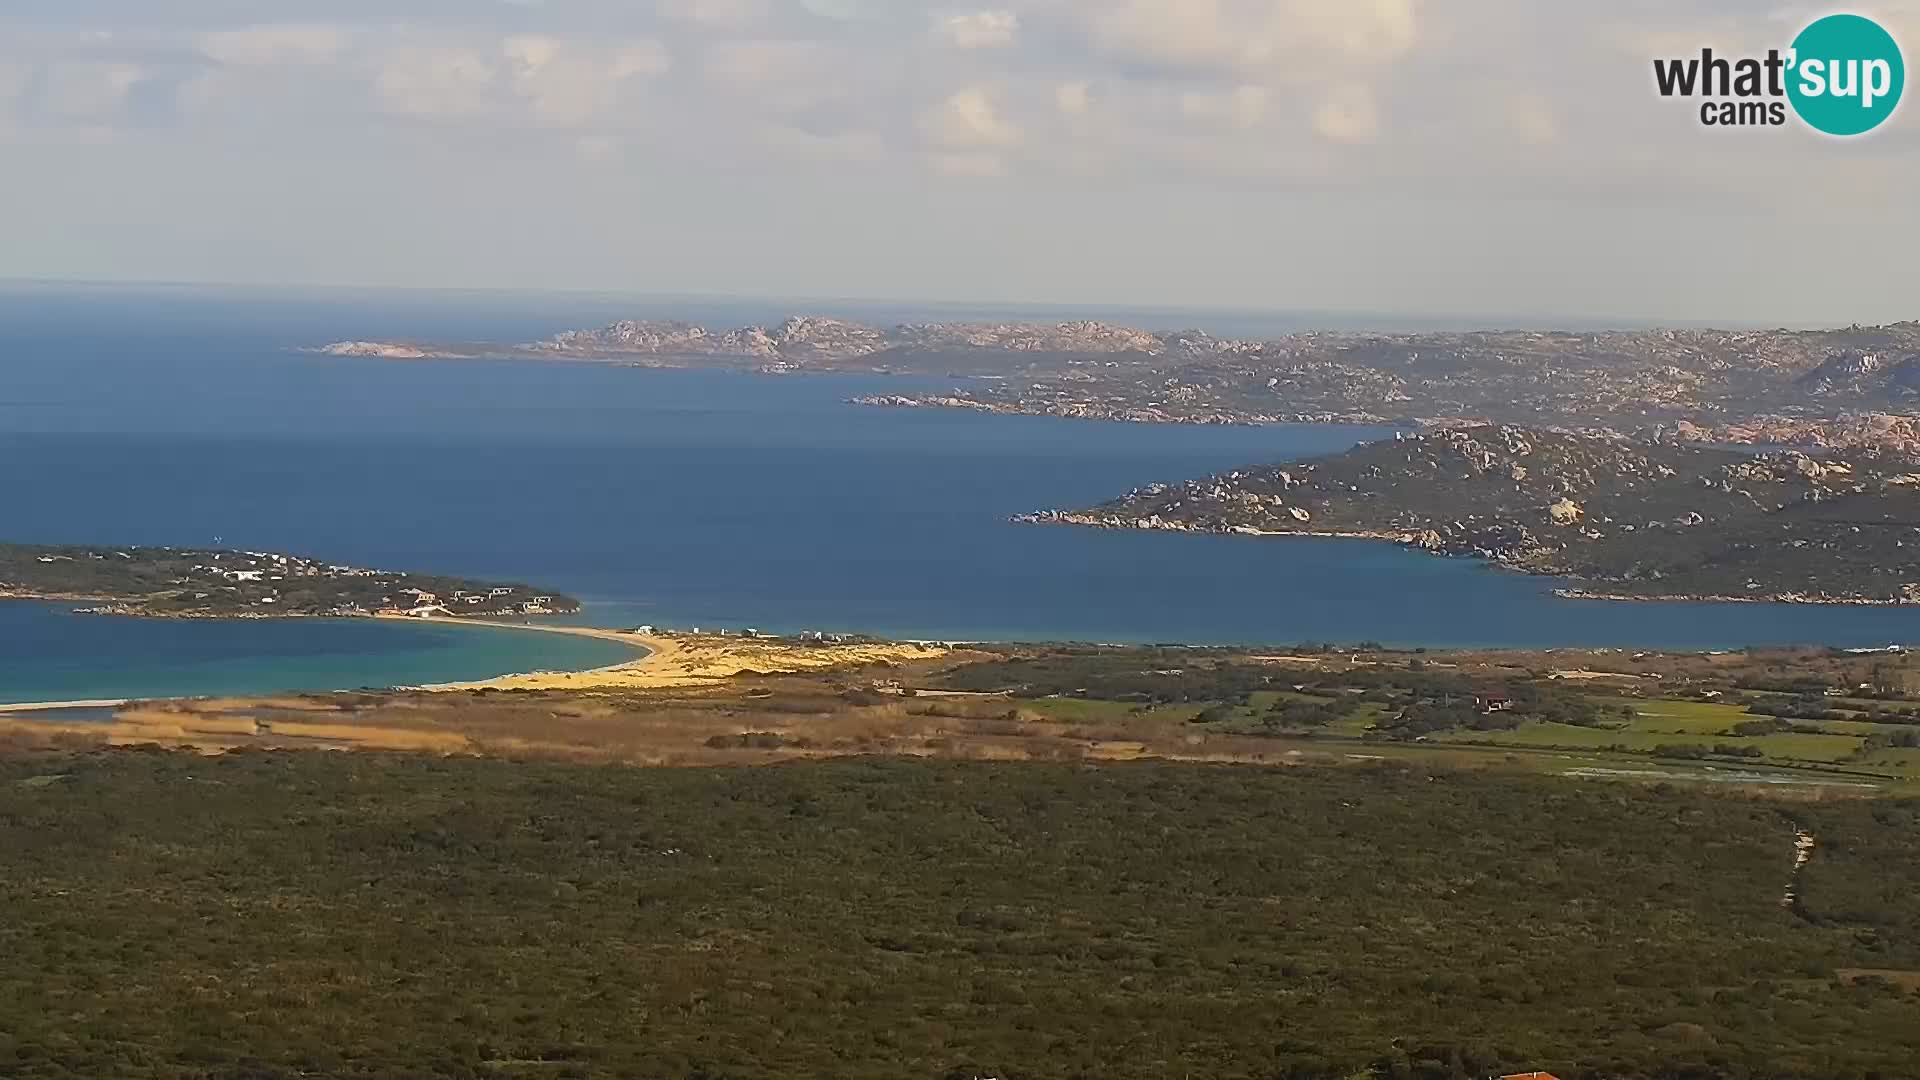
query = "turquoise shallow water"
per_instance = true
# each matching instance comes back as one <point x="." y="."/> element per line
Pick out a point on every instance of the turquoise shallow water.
<point x="49" y="654"/>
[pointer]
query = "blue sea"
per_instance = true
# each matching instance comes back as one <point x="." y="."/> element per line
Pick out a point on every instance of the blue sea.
<point x="184" y="416"/>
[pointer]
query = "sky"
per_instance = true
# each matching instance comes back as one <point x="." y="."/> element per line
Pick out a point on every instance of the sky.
<point x="1419" y="156"/>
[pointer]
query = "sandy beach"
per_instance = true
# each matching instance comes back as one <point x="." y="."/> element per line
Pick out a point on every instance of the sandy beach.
<point x="681" y="660"/>
<point x="48" y="706"/>
<point x="445" y="719"/>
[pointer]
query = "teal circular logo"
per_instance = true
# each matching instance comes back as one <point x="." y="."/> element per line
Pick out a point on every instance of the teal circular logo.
<point x="1845" y="75"/>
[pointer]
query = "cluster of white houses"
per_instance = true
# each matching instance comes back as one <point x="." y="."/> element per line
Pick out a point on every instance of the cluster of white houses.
<point x="425" y="605"/>
<point x="267" y="566"/>
<point x="811" y="637"/>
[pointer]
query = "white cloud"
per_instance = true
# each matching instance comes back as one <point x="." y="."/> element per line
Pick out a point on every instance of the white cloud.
<point x="967" y="119"/>
<point x="723" y="14"/>
<point x="87" y="93"/>
<point x="289" y="43"/>
<point x="759" y="64"/>
<point x="570" y="85"/>
<point x="641" y="58"/>
<point x="435" y="82"/>
<point x="537" y="78"/>
<point x="528" y="53"/>
<point x="980" y="29"/>
<point x="1243" y="106"/>
<point x="1073" y="98"/>
<point x="1349" y="115"/>
<point x="1285" y="40"/>
<point x="563" y="93"/>
<point x="1175" y="91"/>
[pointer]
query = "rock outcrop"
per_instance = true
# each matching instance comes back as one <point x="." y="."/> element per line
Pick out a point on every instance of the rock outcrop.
<point x="1622" y="517"/>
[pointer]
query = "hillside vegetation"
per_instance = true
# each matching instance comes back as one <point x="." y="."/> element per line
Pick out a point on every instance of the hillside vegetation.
<point x="1620" y="516"/>
<point x="328" y="915"/>
<point x="180" y="582"/>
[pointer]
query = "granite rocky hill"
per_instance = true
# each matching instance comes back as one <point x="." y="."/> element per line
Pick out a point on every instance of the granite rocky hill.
<point x="1620" y="517"/>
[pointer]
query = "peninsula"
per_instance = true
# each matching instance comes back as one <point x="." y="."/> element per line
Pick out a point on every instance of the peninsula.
<point x="1622" y="518"/>
<point x="1855" y="386"/>
<point x="217" y="583"/>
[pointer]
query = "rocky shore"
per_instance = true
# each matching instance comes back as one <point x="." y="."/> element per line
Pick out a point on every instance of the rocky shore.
<point x="1618" y="518"/>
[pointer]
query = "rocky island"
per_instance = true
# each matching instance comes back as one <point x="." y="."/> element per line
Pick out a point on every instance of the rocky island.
<point x="1621" y="518"/>
<point x="215" y="583"/>
<point x="1842" y="387"/>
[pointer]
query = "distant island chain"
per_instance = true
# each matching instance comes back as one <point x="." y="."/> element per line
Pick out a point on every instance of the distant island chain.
<point x="1843" y="387"/>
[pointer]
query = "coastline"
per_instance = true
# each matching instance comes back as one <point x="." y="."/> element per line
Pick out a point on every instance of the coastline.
<point x="54" y="706"/>
<point x="648" y="647"/>
<point x="122" y="699"/>
<point x="121" y="607"/>
<point x="1711" y="598"/>
<point x="682" y="660"/>
<point x="1082" y="520"/>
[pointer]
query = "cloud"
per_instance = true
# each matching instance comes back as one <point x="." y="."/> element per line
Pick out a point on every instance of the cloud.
<point x="533" y="78"/>
<point x="1073" y="98"/>
<point x="88" y="93"/>
<point x="1184" y="92"/>
<point x="528" y="53"/>
<point x="1243" y="106"/>
<point x="646" y="58"/>
<point x="290" y="43"/>
<point x="567" y="85"/>
<point x="1349" y="115"/>
<point x="435" y="82"/>
<point x="967" y="119"/>
<point x="980" y="29"/>
<point x="723" y="14"/>
<point x="769" y="64"/>
<point x="1282" y="40"/>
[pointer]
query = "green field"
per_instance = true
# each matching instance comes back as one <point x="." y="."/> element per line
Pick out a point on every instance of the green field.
<point x="1122" y="713"/>
<point x="1428" y="705"/>
<point x="1667" y="722"/>
<point x="1682" y="717"/>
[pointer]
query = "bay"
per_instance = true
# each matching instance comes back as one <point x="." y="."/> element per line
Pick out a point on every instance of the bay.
<point x="682" y="498"/>
<point x="47" y="654"/>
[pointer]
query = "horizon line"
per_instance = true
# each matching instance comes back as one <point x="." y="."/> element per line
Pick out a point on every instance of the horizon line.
<point x="1473" y="320"/>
